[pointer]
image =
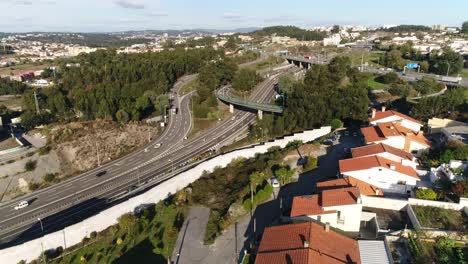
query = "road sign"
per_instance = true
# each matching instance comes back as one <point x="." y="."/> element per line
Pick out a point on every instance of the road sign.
<point x="412" y="65"/>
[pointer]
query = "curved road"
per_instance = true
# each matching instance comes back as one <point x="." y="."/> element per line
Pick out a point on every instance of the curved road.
<point x="77" y="198"/>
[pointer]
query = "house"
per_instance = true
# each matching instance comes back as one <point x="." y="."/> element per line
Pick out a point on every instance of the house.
<point x="393" y="116"/>
<point x="306" y="243"/>
<point x="398" y="136"/>
<point x="341" y="208"/>
<point x="436" y="124"/>
<point x="391" y="176"/>
<point x="456" y="134"/>
<point x="386" y="151"/>
<point x="364" y="187"/>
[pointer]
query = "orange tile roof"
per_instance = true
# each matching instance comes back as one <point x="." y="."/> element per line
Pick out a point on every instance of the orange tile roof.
<point x="314" y="205"/>
<point x="384" y="130"/>
<point x="285" y="244"/>
<point x="372" y="134"/>
<point x="364" y="187"/>
<point x="382" y="115"/>
<point x="380" y="148"/>
<point x="364" y="163"/>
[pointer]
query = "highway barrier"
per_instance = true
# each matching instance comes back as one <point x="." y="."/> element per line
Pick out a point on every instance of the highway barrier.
<point x="74" y="234"/>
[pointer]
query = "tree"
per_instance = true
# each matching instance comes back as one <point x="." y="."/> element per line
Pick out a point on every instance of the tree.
<point x="122" y="116"/>
<point x="127" y="222"/>
<point x="284" y="174"/>
<point x="424" y="66"/>
<point x="393" y="59"/>
<point x="449" y="62"/>
<point x="426" y="85"/>
<point x="336" y="123"/>
<point x="256" y="178"/>
<point x="335" y="29"/>
<point x="286" y="82"/>
<point x="30" y="165"/>
<point x="49" y="177"/>
<point x="390" y="78"/>
<point x="464" y="28"/>
<point x="245" y="79"/>
<point x="426" y="194"/>
<point x="231" y="43"/>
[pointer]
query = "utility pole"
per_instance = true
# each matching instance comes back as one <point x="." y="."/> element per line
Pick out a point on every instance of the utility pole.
<point x="37" y="103"/>
<point x="448" y="68"/>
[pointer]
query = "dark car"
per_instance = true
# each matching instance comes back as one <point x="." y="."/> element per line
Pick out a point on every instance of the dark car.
<point x="101" y="173"/>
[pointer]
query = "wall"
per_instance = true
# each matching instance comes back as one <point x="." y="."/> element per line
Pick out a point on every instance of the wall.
<point x="384" y="179"/>
<point x="400" y="204"/>
<point x="75" y="233"/>
<point x="413" y="218"/>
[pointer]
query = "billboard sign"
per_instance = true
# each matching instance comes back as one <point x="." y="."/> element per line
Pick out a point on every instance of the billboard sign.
<point x="412" y="65"/>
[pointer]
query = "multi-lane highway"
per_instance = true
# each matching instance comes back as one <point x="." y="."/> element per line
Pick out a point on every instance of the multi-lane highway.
<point x="86" y="194"/>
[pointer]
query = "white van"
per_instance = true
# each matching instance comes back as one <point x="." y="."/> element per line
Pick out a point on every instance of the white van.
<point x="21" y="205"/>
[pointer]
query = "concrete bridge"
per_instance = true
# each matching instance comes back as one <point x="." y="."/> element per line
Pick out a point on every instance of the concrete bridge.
<point x="224" y="95"/>
<point x="304" y="63"/>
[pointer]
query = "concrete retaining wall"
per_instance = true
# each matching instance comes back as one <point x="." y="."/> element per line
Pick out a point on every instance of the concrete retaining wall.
<point x="74" y="234"/>
<point x="413" y="218"/>
<point x="400" y="204"/>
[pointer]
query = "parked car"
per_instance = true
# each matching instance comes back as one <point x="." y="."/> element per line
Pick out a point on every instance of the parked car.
<point x="21" y="205"/>
<point x="157" y="146"/>
<point x="327" y="142"/>
<point x="275" y="182"/>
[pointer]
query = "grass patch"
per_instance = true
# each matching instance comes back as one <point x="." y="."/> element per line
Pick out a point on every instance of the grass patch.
<point x="190" y="86"/>
<point x="464" y="73"/>
<point x="373" y="84"/>
<point x="272" y="61"/>
<point x="149" y="239"/>
<point x="434" y="217"/>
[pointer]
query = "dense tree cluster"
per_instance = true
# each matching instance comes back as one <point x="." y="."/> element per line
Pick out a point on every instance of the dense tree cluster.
<point x="290" y="31"/>
<point x="11" y="87"/>
<point x="245" y="80"/>
<point x="114" y="86"/>
<point x="407" y="28"/>
<point x="464" y="28"/>
<point x="441" y="106"/>
<point x="87" y="39"/>
<point x="334" y="91"/>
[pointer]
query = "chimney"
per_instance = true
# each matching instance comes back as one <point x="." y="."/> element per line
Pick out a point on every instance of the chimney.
<point x="327" y="227"/>
<point x="384" y="108"/>
<point x="377" y="191"/>
<point x="392" y="167"/>
<point x="373" y="112"/>
<point x="306" y="244"/>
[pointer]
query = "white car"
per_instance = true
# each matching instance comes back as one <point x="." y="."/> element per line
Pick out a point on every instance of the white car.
<point x="275" y="182"/>
<point x="21" y="205"/>
<point x="157" y="146"/>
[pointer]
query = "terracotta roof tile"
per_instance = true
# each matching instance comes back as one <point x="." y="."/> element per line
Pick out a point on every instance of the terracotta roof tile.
<point x="280" y="244"/>
<point x="307" y="205"/>
<point x="372" y="134"/>
<point x="364" y="187"/>
<point x="337" y="197"/>
<point x="383" y="131"/>
<point x="364" y="163"/>
<point x="314" y="205"/>
<point x="382" y="115"/>
<point x="380" y="148"/>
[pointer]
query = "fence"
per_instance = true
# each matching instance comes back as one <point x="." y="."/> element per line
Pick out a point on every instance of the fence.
<point x="73" y="234"/>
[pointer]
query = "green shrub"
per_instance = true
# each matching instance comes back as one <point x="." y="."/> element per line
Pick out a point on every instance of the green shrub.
<point x="247" y="204"/>
<point x="30" y="165"/>
<point x="33" y="186"/>
<point x="311" y="164"/>
<point x="49" y="177"/>
<point x="336" y="123"/>
<point x="44" y="150"/>
<point x="30" y="154"/>
<point x="426" y="194"/>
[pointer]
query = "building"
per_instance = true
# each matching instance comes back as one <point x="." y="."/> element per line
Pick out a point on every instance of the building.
<point x="364" y="187"/>
<point x="333" y="40"/>
<point x="386" y="151"/>
<point x="396" y="135"/>
<point x="456" y="134"/>
<point x="341" y="208"/>
<point x="306" y="243"/>
<point x="391" y="176"/>
<point x="436" y="124"/>
<point x="385" y="116"/>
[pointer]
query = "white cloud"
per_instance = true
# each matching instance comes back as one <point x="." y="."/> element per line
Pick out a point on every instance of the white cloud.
<point x="130" y="4"/>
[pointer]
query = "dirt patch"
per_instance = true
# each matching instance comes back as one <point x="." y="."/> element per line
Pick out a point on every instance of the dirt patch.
<point x="78" y="144"/>
<point x="294" y="157"/>
<point x="8" y="143"/>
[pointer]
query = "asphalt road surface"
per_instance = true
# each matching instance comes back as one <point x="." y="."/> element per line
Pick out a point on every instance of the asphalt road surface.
<point x="82" y="196"/>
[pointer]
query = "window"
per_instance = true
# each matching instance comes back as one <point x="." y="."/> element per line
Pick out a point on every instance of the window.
<point x="401" y="183"/>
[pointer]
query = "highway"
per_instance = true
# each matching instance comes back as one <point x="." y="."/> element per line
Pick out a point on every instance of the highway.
<point x="79" y="197"/>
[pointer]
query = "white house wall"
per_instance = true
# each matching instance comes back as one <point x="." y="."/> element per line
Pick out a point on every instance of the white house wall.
<point x="384" y="179"/>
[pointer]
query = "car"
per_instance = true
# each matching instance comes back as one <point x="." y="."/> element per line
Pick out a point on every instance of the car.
<point x="21" y="205"/>
<point x="233" y="118"/>
<point x="327" y="142"/>
<point x="346" y="133"/>
<point x="275" y="182"/>
<point x="101" y="173"/>
<point x="185" y="138"/>
<point x="157" y="146"/>
<point x="146" y="149"/>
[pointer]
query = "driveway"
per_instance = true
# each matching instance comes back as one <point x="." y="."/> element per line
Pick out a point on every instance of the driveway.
<point x="189" y="247"/>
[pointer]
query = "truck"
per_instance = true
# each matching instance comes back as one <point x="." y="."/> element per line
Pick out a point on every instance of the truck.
<point x="308" y="57"/>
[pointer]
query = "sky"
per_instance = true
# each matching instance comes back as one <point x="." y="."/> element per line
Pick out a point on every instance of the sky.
<point x="122" y="15"/>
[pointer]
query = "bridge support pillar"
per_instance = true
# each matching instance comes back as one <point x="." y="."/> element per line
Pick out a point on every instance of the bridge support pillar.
<point x="231" y="108"/>
<point x="260" y="114"/>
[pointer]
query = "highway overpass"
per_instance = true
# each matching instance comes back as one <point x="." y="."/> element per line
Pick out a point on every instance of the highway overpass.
<point x="224" y="95"/>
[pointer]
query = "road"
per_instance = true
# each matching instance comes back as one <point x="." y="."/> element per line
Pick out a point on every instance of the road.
<point x="77" y="198"/>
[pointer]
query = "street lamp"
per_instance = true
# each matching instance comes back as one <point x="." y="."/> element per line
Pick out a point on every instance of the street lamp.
<point x="40" y="221"/>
